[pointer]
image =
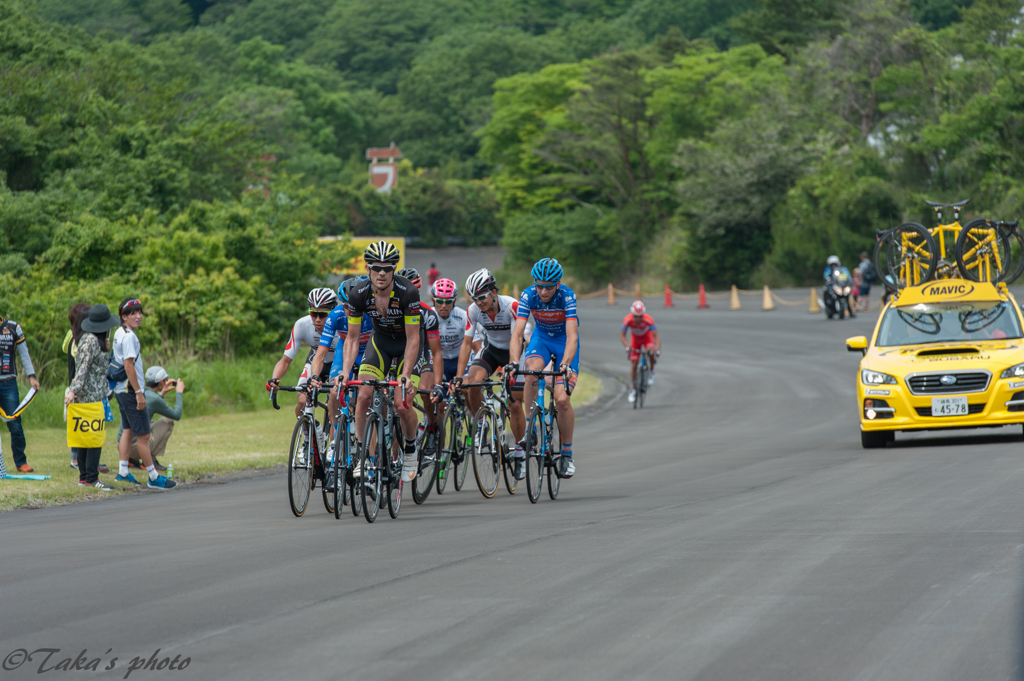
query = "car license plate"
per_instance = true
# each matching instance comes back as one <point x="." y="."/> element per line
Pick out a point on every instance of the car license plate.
<point x="949" y="406"/>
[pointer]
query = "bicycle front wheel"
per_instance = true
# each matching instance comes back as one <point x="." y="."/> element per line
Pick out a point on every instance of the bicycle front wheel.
<point x="982" y="252"/>
<point x="462" y="449"/>
<point x="642" y="376"/>
<point x="446" y="444"/>
<point x="486" y="451"/>
<point x="534" y="457"/>
<point x="396" y="456"/>
<point x="425" y="475"/>
<point x="369" y="458"/>
<point x="340" y="440"/>
<point x="912" y="255"/>
<point x="555" y="449"/>
<point x="300" y="468"/>
<point x="508" y="462"/>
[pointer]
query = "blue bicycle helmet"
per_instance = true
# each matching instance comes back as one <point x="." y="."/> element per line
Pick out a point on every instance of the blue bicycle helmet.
<point x="547" y="269"/>
<point x="345" y="288"/>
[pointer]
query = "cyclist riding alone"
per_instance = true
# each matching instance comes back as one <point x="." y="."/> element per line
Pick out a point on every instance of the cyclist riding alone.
<point x="495" y="315"/>
<point x="393" y="304"/>
<point x="429" y="365"/>
<point x="644" y="335"/>
<point x="306" y="330"/>
<point x="553" y="306"/>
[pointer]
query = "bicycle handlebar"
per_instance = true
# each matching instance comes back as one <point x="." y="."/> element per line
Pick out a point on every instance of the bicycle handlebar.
<point x="295" y="389"/>
<point x="376" y="383"/>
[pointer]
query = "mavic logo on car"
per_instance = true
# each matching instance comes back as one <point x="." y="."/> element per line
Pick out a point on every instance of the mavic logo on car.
<point x="947" y="380"/>
<point x="949" y="290"/>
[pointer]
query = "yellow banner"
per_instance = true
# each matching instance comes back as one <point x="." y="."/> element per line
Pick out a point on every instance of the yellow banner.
<point x="357" y="266"/>
<point x="86" y="427"/>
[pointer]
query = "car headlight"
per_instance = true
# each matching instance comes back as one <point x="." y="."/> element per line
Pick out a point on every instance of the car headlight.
<point x="869" y="377"/>
<point x="1013" y="372"/>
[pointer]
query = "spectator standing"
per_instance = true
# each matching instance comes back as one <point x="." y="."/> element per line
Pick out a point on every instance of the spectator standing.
<point x="79" y="312"/>
<point x="856" y="287"/>
<point x="867" y="275"/>
<point x="12" y="341"/>
<point x="89" y="384"/>
<point x="131" y="400"/>
<point x="157" y="385"/>
<point x="433" y="274"/>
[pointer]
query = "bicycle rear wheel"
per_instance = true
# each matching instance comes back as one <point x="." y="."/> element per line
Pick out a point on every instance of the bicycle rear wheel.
<point x="446" y="444"/>
<point x="369" y="483"/>
<point x="912" y="255"/>
<point x="555" y="447"/>
<point x="982" y="252"/>
<point x="534" y="457"/>
<point x="486" y="451"/>
<point x="396" y="457"/>
<point x="300" y="468"/>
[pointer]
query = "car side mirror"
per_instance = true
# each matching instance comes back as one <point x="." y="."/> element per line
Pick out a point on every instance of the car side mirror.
<point x="857" y="344"/>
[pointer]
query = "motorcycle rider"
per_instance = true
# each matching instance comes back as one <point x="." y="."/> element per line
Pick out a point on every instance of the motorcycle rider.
<point x="835" y="274"/>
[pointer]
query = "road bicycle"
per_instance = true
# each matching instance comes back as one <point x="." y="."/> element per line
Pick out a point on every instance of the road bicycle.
<point x="643" y="373"/>
<point x="305" y="463"/>
<point x="543" y="443"/>
<point x="455" y="441"/>
<point x="493" y="441"/>
<point x="981" y="250"/>
<point x="342" y="456"/>
<point x="381" y="456"/>
<point x="426" y="473"/>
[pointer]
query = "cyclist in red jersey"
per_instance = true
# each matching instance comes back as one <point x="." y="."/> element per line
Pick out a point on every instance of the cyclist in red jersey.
<point x="645" y="335"/>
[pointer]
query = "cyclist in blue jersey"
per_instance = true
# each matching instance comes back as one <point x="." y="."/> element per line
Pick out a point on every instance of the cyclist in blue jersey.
<point x="337" y="326"/>
<point x="553" y="306"/>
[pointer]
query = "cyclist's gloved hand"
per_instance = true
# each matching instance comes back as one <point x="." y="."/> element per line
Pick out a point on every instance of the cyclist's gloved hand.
<point x="437" y="394"/>
<point x="272" y="384"/>
<point x="628" y="350"/>
<point x="657" y="353"/>
<point x="511" y="368"/>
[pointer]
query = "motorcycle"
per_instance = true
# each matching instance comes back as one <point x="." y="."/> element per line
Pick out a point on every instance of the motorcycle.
<point x="836" y="295"/>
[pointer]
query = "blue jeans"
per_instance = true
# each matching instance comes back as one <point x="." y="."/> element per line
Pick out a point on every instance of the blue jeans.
<point x="9" y="400"/>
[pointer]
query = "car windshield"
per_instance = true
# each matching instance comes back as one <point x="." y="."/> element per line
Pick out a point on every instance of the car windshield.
<point x="948" y="322"/>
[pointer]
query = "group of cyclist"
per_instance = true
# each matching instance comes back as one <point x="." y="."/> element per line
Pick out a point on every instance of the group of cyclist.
<point x="378" y="321"/>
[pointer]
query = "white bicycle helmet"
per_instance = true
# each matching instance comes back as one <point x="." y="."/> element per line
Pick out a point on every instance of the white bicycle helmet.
<point x="322" y="299"/>
<point x="480" y="282"/>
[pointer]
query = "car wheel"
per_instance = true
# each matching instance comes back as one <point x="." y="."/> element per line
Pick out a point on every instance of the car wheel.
<point x="874" y="439"/>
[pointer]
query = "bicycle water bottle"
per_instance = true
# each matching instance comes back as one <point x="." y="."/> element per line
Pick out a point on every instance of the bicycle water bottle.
<point x="540" y="391"/>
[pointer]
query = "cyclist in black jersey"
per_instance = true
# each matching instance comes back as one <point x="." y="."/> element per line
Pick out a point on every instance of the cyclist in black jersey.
<point x="393" y="304"/>
<point x="430" y="366"/>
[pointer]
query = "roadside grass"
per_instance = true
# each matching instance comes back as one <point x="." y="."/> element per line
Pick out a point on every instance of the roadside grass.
<point x="200" y="446"/>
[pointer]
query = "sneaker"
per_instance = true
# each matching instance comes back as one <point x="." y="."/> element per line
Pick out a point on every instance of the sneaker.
<point x="102" y="487"/>
<point x="632" y="395"/>
<point x="520" y="471"/>
<point x="566" y="468"/>
<point x="157" y="465"/>
<point x="410" y="468"/>
<point x="135" y="463"/>
<point x="102" y="468"/>
<point x="130" y="478"/>
<point x="161" y="483"/>
<point x="357" y="472"/>
<point x="74" y="464"/>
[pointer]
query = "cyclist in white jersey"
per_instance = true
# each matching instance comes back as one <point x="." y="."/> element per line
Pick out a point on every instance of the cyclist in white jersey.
<point x="452" y="324"/>
<point x="496" y="315"/>
<point x="306" y="330"/>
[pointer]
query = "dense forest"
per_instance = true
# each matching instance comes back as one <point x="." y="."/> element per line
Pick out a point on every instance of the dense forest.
<point x="683" y="141"/>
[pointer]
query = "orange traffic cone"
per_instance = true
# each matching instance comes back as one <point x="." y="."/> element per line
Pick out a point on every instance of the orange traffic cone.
<point x="767" y="303"/>
<point x="668" y="297"/>
<point x="814" y="308"/>
<point x="702" y="298"/>
<point x="611" y="294"/>
<point x="734" y="298"/>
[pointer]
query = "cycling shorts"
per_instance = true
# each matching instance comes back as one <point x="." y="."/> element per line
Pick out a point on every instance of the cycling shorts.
<point x="491" y="359"/>
<point x="451" y="367"/>
<point x="424" y="364"/>
<point x="380" y="352"/>
<point x="544" y="346"/>
<point x="638" y="342"/>
<point x="336" y="367"/>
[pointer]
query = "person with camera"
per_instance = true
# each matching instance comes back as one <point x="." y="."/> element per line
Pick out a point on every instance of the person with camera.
<point x="158" y="384"/>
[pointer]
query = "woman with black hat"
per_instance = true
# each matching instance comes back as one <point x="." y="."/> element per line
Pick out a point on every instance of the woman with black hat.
<point x="90" y="383"/>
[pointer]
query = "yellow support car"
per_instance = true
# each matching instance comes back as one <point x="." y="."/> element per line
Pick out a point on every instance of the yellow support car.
<point x="946" y="354"/>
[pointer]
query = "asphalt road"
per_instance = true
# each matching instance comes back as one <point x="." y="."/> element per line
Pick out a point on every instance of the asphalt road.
<point x="734" y="529"/>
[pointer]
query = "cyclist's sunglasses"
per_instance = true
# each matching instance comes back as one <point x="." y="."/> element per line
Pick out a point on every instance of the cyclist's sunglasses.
<point x="318" y="314"/>
<point x="444" y="301"/>
<point x="545" y="287"/>
<point x="484" y="296"/>
<point x="382" y="268"/>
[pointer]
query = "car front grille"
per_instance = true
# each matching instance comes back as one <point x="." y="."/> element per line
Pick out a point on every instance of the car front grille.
<point x="931" y="384"/>
<point x="971" y="409"/>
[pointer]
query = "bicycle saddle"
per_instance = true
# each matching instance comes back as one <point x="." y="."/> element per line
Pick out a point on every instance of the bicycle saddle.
<point x="957" y="205"/>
